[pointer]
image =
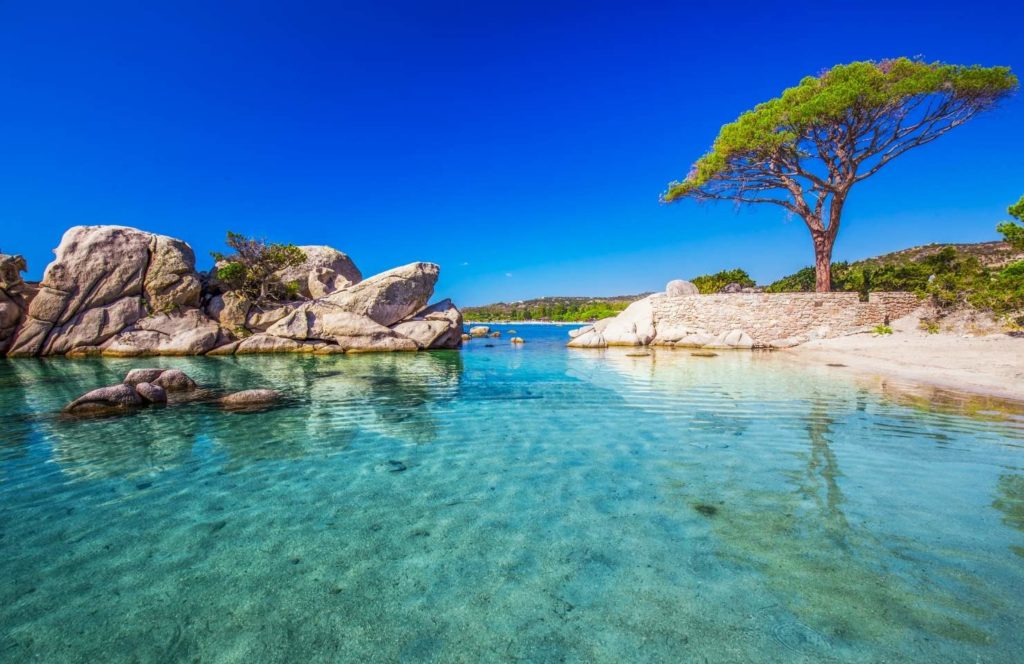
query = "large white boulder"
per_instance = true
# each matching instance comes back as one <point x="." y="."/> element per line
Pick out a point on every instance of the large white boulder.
<point x="187" y="332"/>
<point x="680" y="288"/>
<point x="633" y="327"/>
<point x="437" y="326"/>
<point x="324" y="271"/>
<point x="103" y="279"/>
<point x="389" y="297"/>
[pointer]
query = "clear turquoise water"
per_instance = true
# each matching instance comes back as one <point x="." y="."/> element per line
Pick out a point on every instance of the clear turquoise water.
<point x="503" y="504"/>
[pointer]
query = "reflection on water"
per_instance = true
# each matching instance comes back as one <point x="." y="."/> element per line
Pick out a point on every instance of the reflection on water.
<point x="504" y="503"/>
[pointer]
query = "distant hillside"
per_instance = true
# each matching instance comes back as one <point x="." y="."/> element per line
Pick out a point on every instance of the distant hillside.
<point x="950" y="273"/>
<point x="559" y="309"/>
<point x="908" y="269"/>
<point x="989" y="254"/>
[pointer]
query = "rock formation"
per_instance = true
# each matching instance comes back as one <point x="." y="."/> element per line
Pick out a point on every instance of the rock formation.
<point x="741" y="319"/>
<point x="15" y="296"/>
<point x="122" y="292"/>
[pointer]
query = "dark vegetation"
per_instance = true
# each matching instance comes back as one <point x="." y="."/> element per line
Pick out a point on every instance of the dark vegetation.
<point x="558" y="309"/>
<point x="714" y="283"/>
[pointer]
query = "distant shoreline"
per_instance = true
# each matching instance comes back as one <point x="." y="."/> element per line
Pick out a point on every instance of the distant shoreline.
<point x="526" y="322"/>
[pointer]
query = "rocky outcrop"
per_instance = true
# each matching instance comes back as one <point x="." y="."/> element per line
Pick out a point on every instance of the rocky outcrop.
<point x="389" y="297"/>
<point x="104" y="279"/>
<point x="324" y="271"/>
<point x="121" y="292"/>
<point x="437" y="326"/>
<point x="633" y="327"/>
<point x="14" y="297"/>
<point x="187" y="332"/>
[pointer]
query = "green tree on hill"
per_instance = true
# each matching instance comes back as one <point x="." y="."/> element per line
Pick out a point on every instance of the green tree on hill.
<point x="806" y="149"/>
<point x="1014" y="233"/>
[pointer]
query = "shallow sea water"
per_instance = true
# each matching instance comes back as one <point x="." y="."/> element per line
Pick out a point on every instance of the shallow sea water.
<point x="509" y="504"/>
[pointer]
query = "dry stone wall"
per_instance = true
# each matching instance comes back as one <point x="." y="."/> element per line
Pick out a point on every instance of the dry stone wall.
<point x="770" y="316"/>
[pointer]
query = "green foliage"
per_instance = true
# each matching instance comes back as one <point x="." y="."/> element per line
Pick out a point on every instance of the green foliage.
<point x="929" y="326"/>
<point x="868" y="94"/>
<point x="558" y="309"/>
<point x="1014" y="233"/>
<point x="949" y="278"/>
<point x="714" y="283"/>
<point x="231" y="273"/>
<point x="801" y="281"/>
<point x="882" y="329"/>
<point x="250" y="269"/>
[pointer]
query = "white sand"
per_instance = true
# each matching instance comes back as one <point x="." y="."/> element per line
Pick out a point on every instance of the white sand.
<point x="991" y="365"/>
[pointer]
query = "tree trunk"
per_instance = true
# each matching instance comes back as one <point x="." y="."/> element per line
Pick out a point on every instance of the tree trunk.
<point x="823" y="243"/>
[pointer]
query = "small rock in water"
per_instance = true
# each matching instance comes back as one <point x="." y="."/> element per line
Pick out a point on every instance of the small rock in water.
<point x="517" y="340"/>
<point x="641" y="353"/>
<point x="396" y="466"/>
<point x="705" y="353"/>
<point x="250" y="398"/>
<point x="147" y="375"/>
<point x="104" y="399"/>
<point x="174" y="380"/>
<point x="835" y="364"/>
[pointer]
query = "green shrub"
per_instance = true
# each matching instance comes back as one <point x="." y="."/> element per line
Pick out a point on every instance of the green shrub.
<point x="714" y="283"/>
<point x="882" y="329"/>
<point x="250" y="269"/>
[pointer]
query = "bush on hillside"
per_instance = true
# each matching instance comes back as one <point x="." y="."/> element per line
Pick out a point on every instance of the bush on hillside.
<point x="714" y="283"/>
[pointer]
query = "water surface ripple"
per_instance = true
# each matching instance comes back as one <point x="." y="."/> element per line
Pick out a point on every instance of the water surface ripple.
<point x="509" y="504"/>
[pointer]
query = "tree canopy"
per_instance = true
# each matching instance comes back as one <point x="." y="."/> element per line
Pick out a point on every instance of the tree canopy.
<point x="805" y="149"/>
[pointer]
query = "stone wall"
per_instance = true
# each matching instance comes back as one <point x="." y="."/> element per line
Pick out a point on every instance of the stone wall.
<point x="770" y="316"/>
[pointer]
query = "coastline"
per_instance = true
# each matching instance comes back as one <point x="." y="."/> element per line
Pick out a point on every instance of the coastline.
<point x="991" y="365"/>
<point x="526" y="322"/>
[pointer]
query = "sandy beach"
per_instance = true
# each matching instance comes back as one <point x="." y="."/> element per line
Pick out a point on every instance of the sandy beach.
<point x="991" y="365"/>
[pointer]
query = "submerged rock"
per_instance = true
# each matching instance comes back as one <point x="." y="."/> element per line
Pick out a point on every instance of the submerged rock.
<point x="151" y="393"/>
<point x="174" y="380"/>
<point x="111" y="397"/>
<point x="143" y="375"/>
<point x="258" y="397"/>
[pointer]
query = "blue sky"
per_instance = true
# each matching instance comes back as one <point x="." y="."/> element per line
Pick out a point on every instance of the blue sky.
<point x="522" y="145"/>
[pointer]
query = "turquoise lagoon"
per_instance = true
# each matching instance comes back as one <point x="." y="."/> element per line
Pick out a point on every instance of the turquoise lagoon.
<point x="509" y="504"/>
